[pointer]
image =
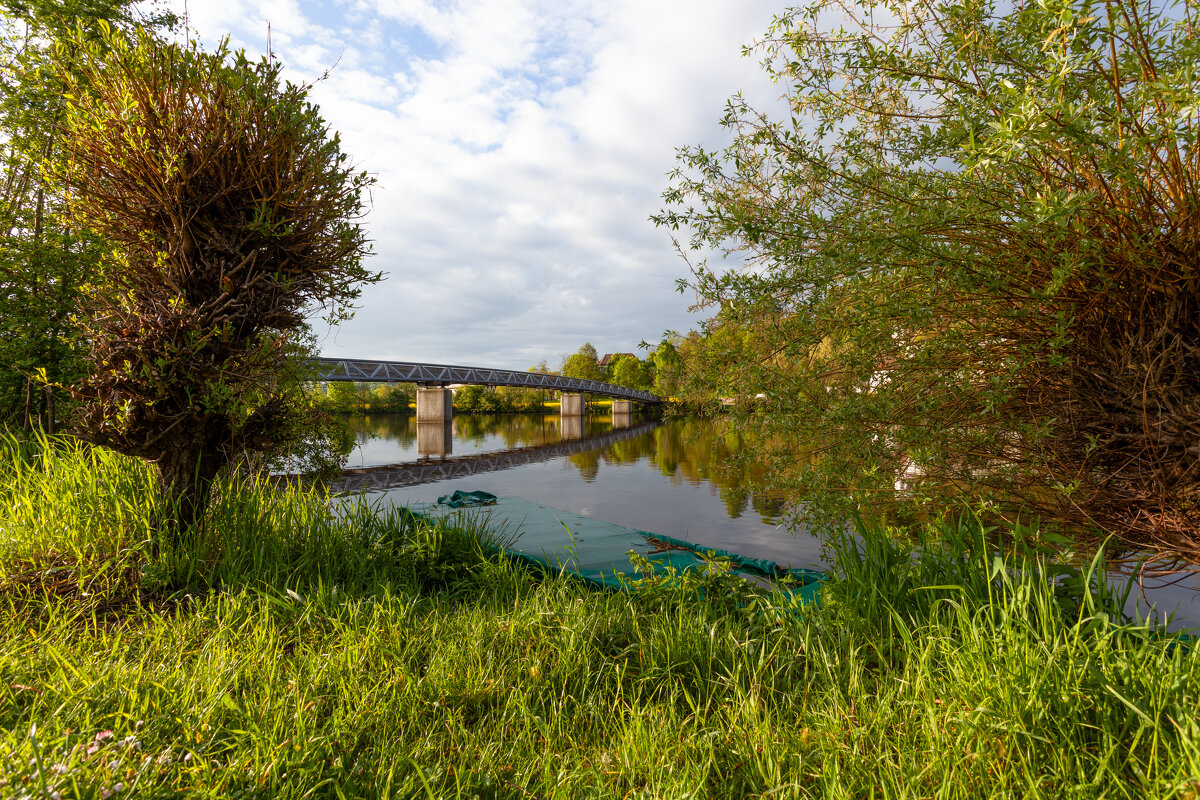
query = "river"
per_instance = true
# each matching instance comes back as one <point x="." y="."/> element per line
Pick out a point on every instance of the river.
<point x="671" y="477"/>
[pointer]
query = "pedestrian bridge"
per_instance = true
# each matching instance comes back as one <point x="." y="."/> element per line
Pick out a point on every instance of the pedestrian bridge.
<point x="354" y="369"/>
<point x="433" y="399"/>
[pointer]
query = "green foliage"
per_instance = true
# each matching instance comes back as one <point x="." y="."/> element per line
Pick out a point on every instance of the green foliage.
<point x="232" y="214"/>
<point x="369" y="655"/>
<point x="583" y="363"/>
<point x="475" y="398"/>
<point x="316" y="446"/>
<point x="521" y="400"/>
<point x="966" y="261"/>
<point x="670" y="358"/>
<point x="497" y="399"/>
<point x="42" y="263"/>
<point x="631" y="372"/>
<point x="393" y="398"/>
<point x="346" y="397"/>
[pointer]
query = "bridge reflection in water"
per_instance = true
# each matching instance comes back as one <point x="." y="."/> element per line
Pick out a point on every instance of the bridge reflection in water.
<point x="370" y="479"/>
<point x="437" y="438"/>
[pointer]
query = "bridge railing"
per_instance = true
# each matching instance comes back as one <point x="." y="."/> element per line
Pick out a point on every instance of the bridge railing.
<point x="363" y="370"/>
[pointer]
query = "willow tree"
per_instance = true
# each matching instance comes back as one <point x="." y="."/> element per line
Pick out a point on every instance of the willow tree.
<point x="232" y="213"/>
<point x="967" y="260"/>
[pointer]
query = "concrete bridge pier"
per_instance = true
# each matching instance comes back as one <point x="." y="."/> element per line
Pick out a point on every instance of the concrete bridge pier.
<point x="435" y="410"/>
<point x="622" y="413"/>
<point x="434" y="404"/>
<point x="571" y="404"/>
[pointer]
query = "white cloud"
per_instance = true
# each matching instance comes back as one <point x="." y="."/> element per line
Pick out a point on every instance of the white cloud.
<point x="520" y="146"/>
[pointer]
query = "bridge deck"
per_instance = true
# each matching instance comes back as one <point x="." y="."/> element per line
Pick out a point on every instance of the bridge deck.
<point x="356" y="369"/>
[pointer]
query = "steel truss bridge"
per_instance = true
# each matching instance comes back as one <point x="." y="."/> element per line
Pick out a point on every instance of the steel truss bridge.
<point x="360" y="370"/>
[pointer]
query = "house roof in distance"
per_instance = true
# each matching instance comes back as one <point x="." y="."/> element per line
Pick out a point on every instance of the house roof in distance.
<point x="608" y="358"/>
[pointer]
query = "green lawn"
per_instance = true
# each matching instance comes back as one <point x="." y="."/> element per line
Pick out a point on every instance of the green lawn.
<point x="291" y="654"/>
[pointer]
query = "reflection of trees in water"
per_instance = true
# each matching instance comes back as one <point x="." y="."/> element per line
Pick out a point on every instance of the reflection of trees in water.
<point x="698" y="452"/>
<point x="395" y="427"/>
<point x="736" y="500"/>
<point x="518" y="430"/>
<point x="632" y="450"/>
<point x="687" y="450"/>
<point x="477" y="427"/>
<point x="587" y="463"/>
<point x="514" y="430"/>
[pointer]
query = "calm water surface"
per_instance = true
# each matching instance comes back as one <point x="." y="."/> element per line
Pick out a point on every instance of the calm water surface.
<point x="670" y="477"/>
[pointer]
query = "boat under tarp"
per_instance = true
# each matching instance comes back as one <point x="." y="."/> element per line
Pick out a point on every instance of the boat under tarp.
<point x="599" y="552"/>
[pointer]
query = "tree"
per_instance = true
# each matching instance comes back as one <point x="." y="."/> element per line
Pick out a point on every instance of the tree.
<point x="630" y="371"/>
<point x="471" y="398"/>
<point x="232" y="215"/>
<point x="42" y="263"/>
<point x="517" y="398"/>
<point x="668" y="368"/>
<point x="583" y="363"/>
<point x="345" y="397"/>
<point x="968" y="260"/>
<point x="393" y="398"/>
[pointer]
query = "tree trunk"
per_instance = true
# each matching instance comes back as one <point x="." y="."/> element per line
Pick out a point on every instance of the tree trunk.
<point x="50" y="426"/>
<point x="27" y="422"/>
<point x="36" y="261"/>
<point x="185" y="476"/>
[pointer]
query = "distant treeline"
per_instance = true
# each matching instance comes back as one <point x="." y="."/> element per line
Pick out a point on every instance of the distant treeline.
<point x="400" y="398"/>
<point x="344" y="397"/>
<point x="392" y="398"/>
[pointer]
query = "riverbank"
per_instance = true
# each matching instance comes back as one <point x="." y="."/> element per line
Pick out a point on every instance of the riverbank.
<point x="303" y="655"/>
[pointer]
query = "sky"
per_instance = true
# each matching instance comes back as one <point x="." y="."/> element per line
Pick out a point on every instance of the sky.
<point x="519" y="148"/>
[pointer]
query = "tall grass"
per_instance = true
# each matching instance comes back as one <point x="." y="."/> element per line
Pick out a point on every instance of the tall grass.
<point x="308" y="654"/>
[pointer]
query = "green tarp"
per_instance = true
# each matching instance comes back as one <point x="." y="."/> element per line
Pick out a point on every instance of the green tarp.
<point x="599" y="552"/>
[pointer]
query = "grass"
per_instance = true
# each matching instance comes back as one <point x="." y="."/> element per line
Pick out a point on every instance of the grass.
<point x="303" y="654"/>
